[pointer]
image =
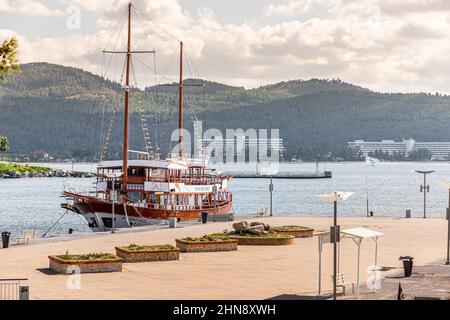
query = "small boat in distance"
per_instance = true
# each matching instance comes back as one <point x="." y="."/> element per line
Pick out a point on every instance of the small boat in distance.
<point x="144" y="191"/>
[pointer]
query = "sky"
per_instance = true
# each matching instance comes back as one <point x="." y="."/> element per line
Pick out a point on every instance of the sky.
<point x="384" y="45"/>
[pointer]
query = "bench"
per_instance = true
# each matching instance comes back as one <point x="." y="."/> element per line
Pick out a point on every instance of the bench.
<point x="261" y="213"/>
<point x="341" y="283"/>
<point x="26" y="236"/>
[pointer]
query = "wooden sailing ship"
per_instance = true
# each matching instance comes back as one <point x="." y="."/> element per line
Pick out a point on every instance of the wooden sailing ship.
<point x="135" y="192"/>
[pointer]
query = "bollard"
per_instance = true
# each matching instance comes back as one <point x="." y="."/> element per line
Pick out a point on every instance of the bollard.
<point x="173" y="223"/>
<point x="408" y="214"/>
<point x="24" y="293"/>
<point x="205" y="217"/>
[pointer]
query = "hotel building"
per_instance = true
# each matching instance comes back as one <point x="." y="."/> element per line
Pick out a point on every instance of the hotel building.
<point x="439" y="150"/>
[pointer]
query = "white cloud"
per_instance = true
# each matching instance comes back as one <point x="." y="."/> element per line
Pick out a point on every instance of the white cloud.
<point x="295" y="7"/>
<point x="288" y="9"/>
<point x="27" y="7"/>
<point x="402" y="7"/>
<point x="368" y="42"/>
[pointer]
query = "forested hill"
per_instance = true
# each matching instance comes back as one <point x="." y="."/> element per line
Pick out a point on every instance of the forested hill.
<point x="62" y="111"/>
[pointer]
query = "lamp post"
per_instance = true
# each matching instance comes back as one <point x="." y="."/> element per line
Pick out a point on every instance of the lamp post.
<point x="447" y="186"/>
<point x="270" y="172"/>
<point x="425" y="189"/>
<point x="335" y="236"/>
<point x="113" y="195"/>
<point x="448" y="229"/>
<point x="271" y="194"/>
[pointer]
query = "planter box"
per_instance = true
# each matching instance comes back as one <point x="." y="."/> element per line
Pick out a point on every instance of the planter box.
<point x="147" y="255"/>
<point x="264" y="241"/>
<point x="85" y="266"/>
<point x="206" y="246"/>
<point x="300" y="232"/>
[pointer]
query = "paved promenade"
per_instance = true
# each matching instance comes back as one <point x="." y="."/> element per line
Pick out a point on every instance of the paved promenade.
<point x="249" y="273"/>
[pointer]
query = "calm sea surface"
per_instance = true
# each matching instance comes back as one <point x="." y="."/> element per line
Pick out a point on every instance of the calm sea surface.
<point x="393" y="188"/>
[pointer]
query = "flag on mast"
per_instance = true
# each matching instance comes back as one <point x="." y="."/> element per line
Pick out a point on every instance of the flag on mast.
<point x="372" y="162"/>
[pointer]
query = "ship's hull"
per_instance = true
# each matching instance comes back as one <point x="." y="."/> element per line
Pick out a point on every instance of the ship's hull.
<point x="98" y="213"/>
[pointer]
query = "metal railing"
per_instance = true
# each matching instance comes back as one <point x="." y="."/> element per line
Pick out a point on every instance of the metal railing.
<point x="14" y="289"/>
<point x="186" y="207"/>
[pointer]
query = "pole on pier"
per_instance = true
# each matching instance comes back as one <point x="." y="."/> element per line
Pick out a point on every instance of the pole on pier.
<point x="335" y="234"/>
<point x="448" y="230"/>
<point x="113" y="195"/>
<point x="271" y="195"/>
<point x="367" y="191"/>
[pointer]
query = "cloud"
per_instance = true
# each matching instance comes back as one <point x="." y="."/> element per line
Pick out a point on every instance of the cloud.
<point x="372" y="43"/>
<point x="296" y="7"/>
<point x="27" y="7"/>
<point x="288" y="9"/>
<point x="399" y="7"/>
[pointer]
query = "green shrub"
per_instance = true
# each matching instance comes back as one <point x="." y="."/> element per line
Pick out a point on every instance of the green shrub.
<point x="134" y="247"/>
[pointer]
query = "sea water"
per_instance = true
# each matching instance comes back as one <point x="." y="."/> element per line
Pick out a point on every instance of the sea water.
<point x="393" y="188"/>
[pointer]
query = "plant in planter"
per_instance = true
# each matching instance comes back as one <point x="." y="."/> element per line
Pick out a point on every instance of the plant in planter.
<point x="207" y="243"/>
<point x="85" y="263"/>
<point x="145" y="253"/>
<point x="296" y="231"/>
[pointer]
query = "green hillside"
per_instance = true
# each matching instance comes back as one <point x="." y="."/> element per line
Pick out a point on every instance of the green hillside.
<point x="63" y="111"/>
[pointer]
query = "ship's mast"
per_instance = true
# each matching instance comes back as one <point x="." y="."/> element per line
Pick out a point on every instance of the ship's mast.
<point x="180" y="105"/>
<point x="128" y="53"/>
<point x="127" y="103"/>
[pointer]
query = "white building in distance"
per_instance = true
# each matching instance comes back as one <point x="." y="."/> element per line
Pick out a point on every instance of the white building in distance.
<point x="439" y="150"/>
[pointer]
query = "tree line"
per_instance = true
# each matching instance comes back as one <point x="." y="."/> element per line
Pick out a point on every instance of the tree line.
<point x="66" y="111"/>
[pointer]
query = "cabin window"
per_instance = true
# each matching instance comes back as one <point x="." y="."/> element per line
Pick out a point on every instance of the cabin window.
<point x="142" y="172"/>
<point x="93" y="223"/>
<point x="134" y="196"/>
<point x="153" y="198"/>
<point x="107" y="222"/>
<point x="132" y="172"/>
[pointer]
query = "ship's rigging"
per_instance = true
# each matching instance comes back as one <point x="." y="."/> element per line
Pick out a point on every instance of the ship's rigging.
<point x="141" y="101"/>
<point x="130" y="191"/>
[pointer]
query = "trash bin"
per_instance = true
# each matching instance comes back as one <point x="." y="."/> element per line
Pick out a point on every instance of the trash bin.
<point x="173" y="223"/>
<point x="407" y="265"/>
<point x="204" y="217"/>
<point x="5" y="239"/>
<point x="408" y="214"/>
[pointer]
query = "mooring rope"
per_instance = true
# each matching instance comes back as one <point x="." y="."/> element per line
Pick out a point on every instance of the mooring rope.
<point x="43" y="236"/>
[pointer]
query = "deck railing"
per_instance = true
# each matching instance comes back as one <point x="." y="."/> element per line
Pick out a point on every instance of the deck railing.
<point x="13" y="289"/>
<point x="177" y="207"/>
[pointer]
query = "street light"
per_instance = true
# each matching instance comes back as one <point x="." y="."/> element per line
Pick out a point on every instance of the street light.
<point x="271" y="194"/>
<point x="113" y="195"/>
<point x="270" y="172"/>
<point x="425" y="189"/>
<point x="447" y="186"/>
<point x="335" y="236"/>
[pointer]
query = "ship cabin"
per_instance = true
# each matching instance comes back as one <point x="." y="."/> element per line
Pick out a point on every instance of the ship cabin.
<point x="176" y="185"/>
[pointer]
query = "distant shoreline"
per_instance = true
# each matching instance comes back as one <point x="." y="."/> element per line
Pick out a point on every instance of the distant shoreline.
<point x="11" y="170"/>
